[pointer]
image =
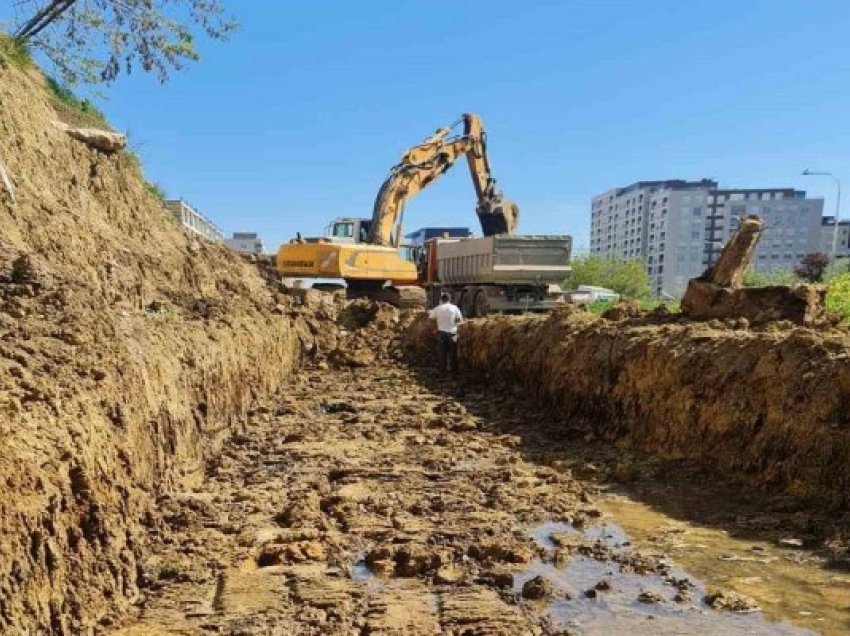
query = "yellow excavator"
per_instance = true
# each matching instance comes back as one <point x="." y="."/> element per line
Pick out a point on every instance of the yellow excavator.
<point x="367" y="253"/>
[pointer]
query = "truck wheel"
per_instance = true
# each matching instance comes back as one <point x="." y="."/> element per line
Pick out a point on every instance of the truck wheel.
<point x="466" y="303"/>
<point x="482" y="304"/>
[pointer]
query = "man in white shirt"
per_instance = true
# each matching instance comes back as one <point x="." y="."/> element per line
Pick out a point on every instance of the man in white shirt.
<point x="448" y="317"/>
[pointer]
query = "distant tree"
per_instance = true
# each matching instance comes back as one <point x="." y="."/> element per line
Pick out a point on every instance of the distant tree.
<point x="95" y="40"/>
<point x="837" y="268"/>
<point x="770" y="277"/>
<point x="627" y="278"/>
<point x="812" y="267"/>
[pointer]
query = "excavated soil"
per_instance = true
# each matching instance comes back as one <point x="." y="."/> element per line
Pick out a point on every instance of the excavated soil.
<point x="770" y="404"/>
<point x="127" y="350"/>
<point x="388" y="501"/>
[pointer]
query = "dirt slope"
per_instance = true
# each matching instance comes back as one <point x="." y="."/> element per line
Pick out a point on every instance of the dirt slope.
<point x="126" y="351"/>
<point x="771" y="404"/>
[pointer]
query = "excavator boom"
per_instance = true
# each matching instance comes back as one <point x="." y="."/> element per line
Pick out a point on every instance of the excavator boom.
<point x="421" y="165"/>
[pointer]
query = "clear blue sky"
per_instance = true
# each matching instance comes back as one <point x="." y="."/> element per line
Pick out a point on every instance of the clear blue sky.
<point x="297" y="119"/>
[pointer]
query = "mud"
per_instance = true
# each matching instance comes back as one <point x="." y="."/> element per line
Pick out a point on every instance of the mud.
<point x="190" y="449"/>
<point x="389" y="501"/>
<point x="736" y="547"/>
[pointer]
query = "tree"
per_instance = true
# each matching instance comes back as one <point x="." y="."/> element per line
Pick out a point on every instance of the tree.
<point x="95" y="40"/>
<point x="627" y="278"/>
<point x="770" y="277"/>
<point x="812" y="267"/>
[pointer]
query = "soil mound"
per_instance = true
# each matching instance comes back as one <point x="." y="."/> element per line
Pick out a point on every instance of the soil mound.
<point x="126" y="350"/>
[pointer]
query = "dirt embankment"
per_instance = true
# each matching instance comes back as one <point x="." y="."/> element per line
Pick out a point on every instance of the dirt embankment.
<point x="126" y="351"/>
<point x="771" y="404"/>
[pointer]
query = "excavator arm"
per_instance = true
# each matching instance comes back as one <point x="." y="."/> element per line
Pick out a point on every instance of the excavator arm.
<point x="421" y="165"/>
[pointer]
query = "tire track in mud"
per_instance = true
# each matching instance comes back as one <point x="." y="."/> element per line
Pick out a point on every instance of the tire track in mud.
<point x="370" y="503"/>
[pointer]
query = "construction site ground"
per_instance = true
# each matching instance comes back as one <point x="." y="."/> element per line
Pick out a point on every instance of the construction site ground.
<point x="190" y="448"/>
<point x="388" y="500"/>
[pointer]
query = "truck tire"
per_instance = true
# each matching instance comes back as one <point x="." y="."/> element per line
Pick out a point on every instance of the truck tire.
<point x="467" y="302"/>
<point x="481" y="304"/>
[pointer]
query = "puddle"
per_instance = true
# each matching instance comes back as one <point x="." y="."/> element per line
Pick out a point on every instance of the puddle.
<point x="789" y="584"/>
<point x="542" y="534"/>
<point x="610" y="534"/>
<point x="619" y="607"/>
<point x="360" y="573"/>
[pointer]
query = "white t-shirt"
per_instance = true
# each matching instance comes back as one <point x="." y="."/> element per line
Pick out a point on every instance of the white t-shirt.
<point x="447" y="316"/>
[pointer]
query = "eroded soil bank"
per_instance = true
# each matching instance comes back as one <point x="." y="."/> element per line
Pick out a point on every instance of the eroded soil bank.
<point x="770" y="404"/>
<point x="127" y="350"/>
<point x="389" y="501"/>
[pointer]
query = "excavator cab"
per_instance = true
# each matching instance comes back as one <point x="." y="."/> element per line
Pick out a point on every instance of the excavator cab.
<point x="349" y="230"/>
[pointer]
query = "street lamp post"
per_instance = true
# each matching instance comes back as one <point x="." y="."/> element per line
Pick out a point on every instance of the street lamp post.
<point x="808" y="173"/>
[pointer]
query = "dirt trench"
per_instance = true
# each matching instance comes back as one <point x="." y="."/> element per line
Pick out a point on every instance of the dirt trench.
<point x="767" y="403"/>
<point x="387" y="500"/>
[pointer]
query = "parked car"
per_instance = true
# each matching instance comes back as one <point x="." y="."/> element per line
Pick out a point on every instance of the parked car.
<point x="586" y="294"/>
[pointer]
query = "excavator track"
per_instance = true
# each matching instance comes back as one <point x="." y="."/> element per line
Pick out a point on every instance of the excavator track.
<point x="405" y="297"/>
<point x="402" y="296"/>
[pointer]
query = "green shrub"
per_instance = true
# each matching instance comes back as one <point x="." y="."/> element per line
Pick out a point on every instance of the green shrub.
<point x="838" y="296"/>
<point x="156" y="190"/>
<point x="15" y="52"/>
<point x="72" y="109"/>
<point x="770" y="277"/>
<point x="674" y="306"/>
<point x="627" y="278"/>
<point x="600" y="306"/>
<point x="836" y="269"/>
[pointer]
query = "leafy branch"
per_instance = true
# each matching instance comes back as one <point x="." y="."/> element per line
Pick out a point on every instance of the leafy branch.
<point x="95" y="41"/>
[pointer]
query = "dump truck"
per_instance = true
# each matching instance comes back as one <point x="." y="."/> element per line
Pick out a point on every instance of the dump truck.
<point x="504" y="273"/>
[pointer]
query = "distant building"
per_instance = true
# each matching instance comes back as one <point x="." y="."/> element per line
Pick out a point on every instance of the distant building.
<point x="246" y="242"/>
<point x="193" y="221"/>
<point x="423" y="234"/>
<point x="677" y="228"/>
<point x="827" y="236"/>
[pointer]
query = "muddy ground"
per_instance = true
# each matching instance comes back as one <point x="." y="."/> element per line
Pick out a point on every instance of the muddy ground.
<point x="388" y="500"/>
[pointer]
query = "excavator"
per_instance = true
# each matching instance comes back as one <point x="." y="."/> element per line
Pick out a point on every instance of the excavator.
<point x="366" y="253"/>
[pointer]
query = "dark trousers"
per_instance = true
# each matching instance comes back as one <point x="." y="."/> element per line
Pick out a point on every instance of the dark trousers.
<point x="447" y="350"/>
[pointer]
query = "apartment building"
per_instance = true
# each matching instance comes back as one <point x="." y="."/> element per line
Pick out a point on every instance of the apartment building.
<point x="842" y="244"/>
<point x="677" y="227"/>
<point x="195" y="223"/>
<point x="246" y="242"/>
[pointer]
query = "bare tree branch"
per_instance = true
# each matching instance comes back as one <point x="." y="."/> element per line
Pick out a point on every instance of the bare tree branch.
<point x="43" y="19"/>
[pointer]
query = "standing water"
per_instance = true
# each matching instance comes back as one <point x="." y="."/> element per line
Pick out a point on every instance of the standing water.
<point x="596" y="596"/>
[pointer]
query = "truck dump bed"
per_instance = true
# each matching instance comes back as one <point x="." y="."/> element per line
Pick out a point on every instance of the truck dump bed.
<point x="504" y="260"/>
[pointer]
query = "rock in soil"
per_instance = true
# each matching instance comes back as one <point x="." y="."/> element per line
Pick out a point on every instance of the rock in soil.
<point x="537" y="588"/>
<point x="730" y="601"/>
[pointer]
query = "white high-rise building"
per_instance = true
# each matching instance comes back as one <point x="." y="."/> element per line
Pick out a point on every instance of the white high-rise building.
<point x="842" y="245"/>
<point x="677" y="228"/>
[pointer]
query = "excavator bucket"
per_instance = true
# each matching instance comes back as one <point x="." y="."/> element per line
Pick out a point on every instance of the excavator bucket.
<point x="498" y="216"/>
